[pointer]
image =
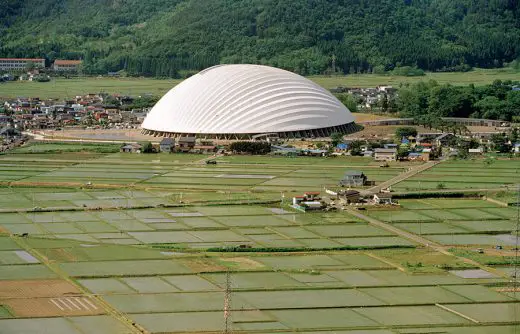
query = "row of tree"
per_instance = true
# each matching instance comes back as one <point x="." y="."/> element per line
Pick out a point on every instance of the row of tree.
<point x="428" y="101"/>
<point x="250" y="147"/>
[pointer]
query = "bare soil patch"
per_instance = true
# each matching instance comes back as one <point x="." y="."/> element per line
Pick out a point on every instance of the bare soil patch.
<point x="364" y="117"/>
<point x="242" y="263"/>
<point x="36" y="288"/>
<point x="51" y="307"/>
<point x="202" y="265"/>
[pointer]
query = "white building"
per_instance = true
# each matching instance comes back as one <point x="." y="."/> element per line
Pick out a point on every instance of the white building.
<point x="17" y="64"/>
<point x="385" y="154"/>
<point x="66" y="65"/>
<point x="243" y="101"/>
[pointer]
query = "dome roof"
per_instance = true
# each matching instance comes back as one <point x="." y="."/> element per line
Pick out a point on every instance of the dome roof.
<point x="245" y="99"/>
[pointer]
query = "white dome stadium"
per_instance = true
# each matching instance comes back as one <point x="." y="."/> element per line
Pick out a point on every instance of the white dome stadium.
<point x="244" y="101"/>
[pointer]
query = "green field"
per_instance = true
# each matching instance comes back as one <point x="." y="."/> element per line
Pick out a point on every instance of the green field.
<point x="61" y="88"/>
<point x="469" y="174"/>
<point x="155" y="237"/>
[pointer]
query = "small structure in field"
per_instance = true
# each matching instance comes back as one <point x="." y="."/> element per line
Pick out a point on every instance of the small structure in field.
<point x="131" y="148"/>
<point x="309" y="201"/>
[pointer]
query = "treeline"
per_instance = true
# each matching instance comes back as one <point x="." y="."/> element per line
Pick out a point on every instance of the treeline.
<point x="250" y="147"/>
<point x="428" y="101"/>
<point x="170" y="37"/>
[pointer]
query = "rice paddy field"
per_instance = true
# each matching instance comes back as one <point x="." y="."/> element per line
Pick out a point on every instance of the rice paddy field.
<point x="469" y="174"/>
<point x="150" y="244"/>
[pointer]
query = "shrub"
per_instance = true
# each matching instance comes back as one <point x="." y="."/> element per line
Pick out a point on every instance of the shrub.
<point x="251" y="147"/>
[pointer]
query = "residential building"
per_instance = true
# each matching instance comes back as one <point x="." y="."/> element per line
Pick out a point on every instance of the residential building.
<point x="476" y="151"/>
<point x="205" y="149"/>
<point x="167" y="145"/>
<point x="131" y="148"/>
<point x="383" y="198"/>
<point x="309" y="201"/>
<point x="17" y="64"/>
<point x="349" y="196"/>
<point x="186" y="144"/>
<point x="368" y="154"/>
<point x="445" y="139"/>
<point x="353" y="178"/>
<point x="385" y="154"/>
<point x="66" y="65"/>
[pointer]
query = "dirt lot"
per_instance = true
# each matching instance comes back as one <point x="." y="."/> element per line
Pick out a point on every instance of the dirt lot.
<point x="51" y="307"/>
<point x="241" y="263"/>
<point x="45" y="298"/>
<point x="362" y="117"/>
<point x="36" y="288"/>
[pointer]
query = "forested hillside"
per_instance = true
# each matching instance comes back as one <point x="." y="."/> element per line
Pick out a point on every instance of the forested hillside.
<point x="165" y="37"/>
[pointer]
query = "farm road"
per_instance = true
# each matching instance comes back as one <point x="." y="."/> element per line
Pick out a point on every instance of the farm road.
<point x="423" y="241"/>
<point x="401" y="177"/>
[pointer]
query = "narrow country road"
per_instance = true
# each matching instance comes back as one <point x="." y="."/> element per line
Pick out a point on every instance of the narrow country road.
<point x="401" y="177"/>
<point x="422" y="241"/>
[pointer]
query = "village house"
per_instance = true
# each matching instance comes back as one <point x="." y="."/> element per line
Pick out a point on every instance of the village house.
<point x="445" y="139"/>
<point x="476" y="151"/>
<point x="349" y="196"/>
<point x="368" y="153"/>
<point x="131" y="148"/>
<point x="353" y="178"/>
<point x="383" y="198"/>
<point x="205" y="149"/>
<point x="167" y="145"/>
<point x="186" y="144"/>
<point x="309" y="201"/>
<point x="385" y="154"/>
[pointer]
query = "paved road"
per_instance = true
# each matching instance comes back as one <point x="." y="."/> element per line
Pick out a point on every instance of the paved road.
<point x="401" y="177"/>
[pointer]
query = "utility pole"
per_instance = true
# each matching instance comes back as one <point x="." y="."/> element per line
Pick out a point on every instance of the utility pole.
<point x="227" y="305"/>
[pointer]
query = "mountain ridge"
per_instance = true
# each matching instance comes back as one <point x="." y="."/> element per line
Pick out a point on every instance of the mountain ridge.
<point x="166" y="37"/>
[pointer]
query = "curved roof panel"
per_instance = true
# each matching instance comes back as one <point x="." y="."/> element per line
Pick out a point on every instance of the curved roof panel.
<point x="246" y="99"/>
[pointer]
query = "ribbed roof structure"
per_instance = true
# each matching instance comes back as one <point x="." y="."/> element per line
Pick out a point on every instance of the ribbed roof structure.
<point x="245" y="99"/>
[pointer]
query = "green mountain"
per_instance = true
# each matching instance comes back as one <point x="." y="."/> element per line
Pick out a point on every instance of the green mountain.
<point x="167" y="37"/>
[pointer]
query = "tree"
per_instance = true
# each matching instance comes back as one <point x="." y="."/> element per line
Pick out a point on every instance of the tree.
<point x="29" y="66"/>
<point x="406" y="132"/>
<point x="255" y="147"/>
<point x="349" y="100"/>
<point x="499" y="143"/>
<point x="402" y="152"/>
<point x="336" y="138"/>
<point x="147" y="147"/>
<point x="355" y="147"/>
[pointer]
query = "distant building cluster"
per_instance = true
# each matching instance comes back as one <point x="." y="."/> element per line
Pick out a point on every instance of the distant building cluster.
<point x="21" y="64"/>
<point x="370" y="98"/>
<point x="91" y="110"/>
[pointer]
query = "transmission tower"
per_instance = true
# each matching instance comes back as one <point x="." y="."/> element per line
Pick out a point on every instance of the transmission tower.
<point x="517" y="236"/>
<point x="227" y="305"/>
